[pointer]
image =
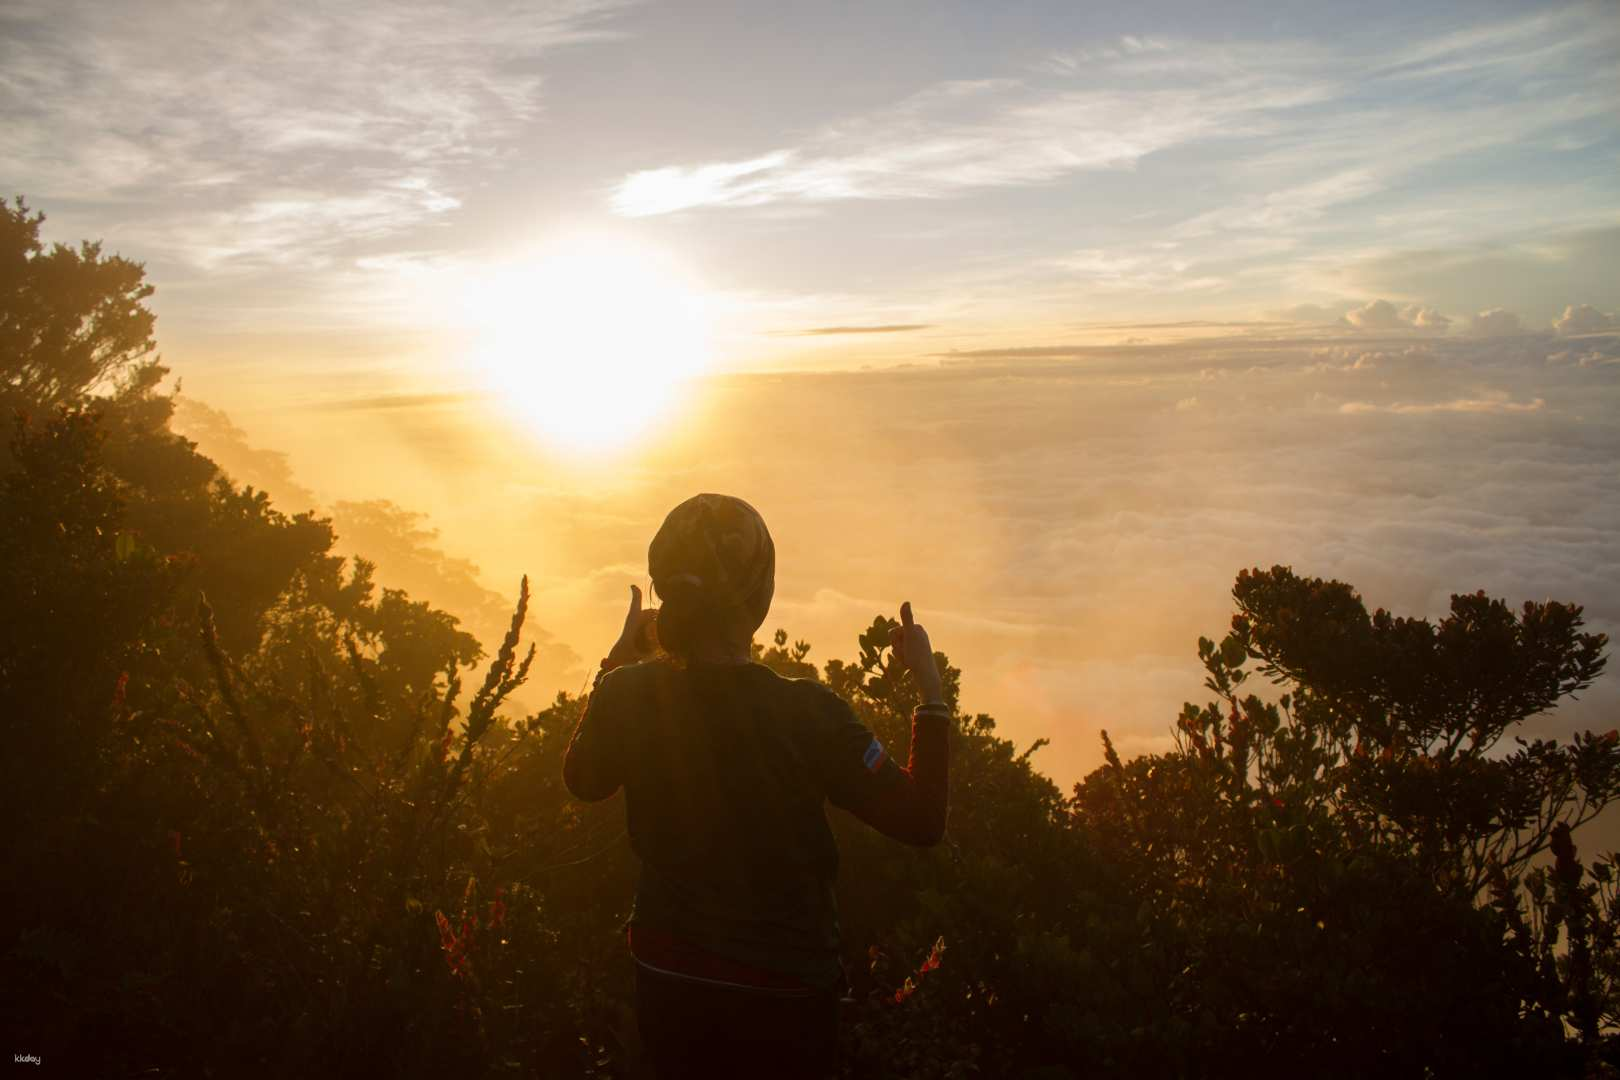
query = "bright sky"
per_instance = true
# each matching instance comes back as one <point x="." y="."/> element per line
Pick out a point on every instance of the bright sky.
<point x="1182" y="287"/>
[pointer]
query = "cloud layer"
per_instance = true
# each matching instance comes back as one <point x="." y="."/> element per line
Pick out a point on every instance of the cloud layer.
<point x="1206" y="176"/>
<point x="1584" y="319"/>
<point x="262" y="133"/>
<point x="1108" y="108"/>
<point x="1067" y="519"/>
<point x="298" y="167"/>
<point x="958" y="137"/>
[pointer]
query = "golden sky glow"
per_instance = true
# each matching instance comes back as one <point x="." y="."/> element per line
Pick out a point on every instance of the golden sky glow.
<point x="1046" y="317"/>
<point x="585" y="341"/>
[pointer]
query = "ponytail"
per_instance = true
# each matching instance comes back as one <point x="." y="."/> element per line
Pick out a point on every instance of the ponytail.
<point x="687" y="616"/>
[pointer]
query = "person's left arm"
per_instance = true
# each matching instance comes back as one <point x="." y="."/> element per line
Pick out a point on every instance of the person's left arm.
<point x="908" y="803"/>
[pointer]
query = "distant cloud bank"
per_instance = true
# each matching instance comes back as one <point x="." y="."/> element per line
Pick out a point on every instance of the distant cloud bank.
<point x="1584" y="319"/>
<point x="825" y="331"/>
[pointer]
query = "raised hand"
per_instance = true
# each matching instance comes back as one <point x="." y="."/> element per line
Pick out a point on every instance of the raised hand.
<point x="636" y="641"/>
<point x="913" y="649"/>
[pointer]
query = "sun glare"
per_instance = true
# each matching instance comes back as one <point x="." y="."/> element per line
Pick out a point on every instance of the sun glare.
<point x="588" y="341"/>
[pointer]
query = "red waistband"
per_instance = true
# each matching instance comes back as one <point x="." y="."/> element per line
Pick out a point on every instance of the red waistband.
<point x="665" y="952"/>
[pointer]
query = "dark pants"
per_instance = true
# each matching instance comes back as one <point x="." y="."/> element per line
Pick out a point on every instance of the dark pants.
<point x="695" y="1029"/>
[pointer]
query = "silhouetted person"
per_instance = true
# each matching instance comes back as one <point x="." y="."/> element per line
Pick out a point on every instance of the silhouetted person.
<point x="726" y="768"/>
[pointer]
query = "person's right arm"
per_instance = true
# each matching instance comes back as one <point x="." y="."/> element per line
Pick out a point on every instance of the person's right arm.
<point x="591" y="766"/>
<point x="592" y="769"/>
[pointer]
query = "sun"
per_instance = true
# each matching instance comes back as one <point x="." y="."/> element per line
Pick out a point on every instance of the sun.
<point x="588" y="340"/>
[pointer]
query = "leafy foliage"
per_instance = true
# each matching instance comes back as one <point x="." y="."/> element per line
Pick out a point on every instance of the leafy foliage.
<point x="1309" y="867"/>
<point x="73" y="317"/>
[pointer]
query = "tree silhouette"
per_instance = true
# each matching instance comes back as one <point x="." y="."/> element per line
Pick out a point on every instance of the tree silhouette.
<point x="74" y="319"/>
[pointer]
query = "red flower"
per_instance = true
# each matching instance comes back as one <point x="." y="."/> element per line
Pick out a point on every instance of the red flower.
<point x="934" y="954"/>
<point x="454" y="944"/>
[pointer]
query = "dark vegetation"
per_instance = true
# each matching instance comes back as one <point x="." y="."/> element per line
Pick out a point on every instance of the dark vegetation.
<point x="266" y="818"/>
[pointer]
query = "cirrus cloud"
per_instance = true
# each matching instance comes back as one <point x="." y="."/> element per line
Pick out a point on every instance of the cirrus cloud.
<point x="1490" y="405"/>
<point x="263" y="133"/>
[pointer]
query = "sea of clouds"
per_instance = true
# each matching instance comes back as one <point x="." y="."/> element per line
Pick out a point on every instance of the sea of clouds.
<point x="1066" y="520"/>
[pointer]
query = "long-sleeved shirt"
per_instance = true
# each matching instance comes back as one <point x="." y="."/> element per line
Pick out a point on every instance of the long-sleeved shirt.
<point x="726" y="771"/>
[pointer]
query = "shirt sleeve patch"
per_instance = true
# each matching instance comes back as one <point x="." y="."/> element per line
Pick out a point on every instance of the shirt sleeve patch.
<point x="875" y="756"/>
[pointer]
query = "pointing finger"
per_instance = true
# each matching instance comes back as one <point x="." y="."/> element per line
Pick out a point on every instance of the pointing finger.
<point x="905" y="614"/>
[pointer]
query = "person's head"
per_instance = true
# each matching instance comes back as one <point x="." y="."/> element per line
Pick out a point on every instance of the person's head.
<point x="713" y="567"/>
